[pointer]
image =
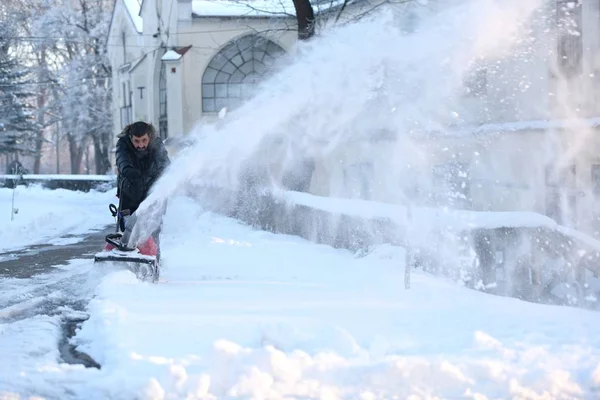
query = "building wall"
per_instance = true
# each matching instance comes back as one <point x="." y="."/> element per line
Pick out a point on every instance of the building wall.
<point x="174" y="26"/>
<point x="121" y="59"/>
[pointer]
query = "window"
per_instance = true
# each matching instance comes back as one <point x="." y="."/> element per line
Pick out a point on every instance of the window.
<point x="124" y="44"/>
<point x="126" y="108"/>
<point x="163" y="125"/>
<point x="561" y="177"/>
<point x="232" y="75"/>
<point x="596" y="179"/>
<point x="561" y="198"/>
<point x="569" y="37"/>
<point x="453" y="184"/>
<point x="299" y="175"/>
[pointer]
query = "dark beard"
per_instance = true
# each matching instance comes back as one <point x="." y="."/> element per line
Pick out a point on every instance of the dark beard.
<point x="141" y="153"/>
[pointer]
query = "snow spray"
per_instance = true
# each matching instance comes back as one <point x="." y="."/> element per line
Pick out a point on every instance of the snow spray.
<point x="349" y="84"/>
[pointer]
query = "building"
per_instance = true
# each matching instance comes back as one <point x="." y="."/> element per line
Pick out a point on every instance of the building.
<point x="175" y="62"/>
<point x="519" y="146"/>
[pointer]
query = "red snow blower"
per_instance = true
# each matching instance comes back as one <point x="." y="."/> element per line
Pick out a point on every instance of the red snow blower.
<point x="142" y="260"/>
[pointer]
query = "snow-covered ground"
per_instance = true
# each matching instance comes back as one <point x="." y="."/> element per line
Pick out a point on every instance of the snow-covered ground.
<point x="44" y="214"/>
<point x="248" y="314"/>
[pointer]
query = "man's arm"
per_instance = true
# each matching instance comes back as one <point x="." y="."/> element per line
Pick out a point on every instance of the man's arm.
<point x="160" y="163"/>
<point x="132" y="176"/>
<point x="162" y="157"/>
<point x="123" y="158"/>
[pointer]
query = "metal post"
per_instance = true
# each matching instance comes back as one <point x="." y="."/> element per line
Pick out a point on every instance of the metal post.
<point x="57" y="147"/>
<point x="408" y="257"/>
<point x="12" y="205"/>
<point x="15" y="171"/>
<point x="87" y="160"/>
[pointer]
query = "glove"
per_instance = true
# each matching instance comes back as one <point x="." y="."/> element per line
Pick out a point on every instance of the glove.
<point x="132" y="174"/>
<point x="136" y="184"/>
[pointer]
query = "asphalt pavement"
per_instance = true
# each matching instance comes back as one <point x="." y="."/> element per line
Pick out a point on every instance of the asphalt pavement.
<point x="38" y="297"/>
<point x="42" y="258"/>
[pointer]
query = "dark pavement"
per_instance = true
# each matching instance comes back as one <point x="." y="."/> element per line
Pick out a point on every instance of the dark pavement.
<point x="41" y="258"/>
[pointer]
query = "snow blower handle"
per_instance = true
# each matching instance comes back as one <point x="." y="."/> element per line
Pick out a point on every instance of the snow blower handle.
<point x="118" y="216"/>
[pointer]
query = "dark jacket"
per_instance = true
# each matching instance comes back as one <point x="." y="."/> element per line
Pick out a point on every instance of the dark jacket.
<point x="137" y="175"/>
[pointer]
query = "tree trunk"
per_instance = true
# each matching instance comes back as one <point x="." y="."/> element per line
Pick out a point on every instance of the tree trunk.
<point x="41" y="104"/>
<point x="76" y="153"/>
<point x="101" y="154"/>
<point x="87" y="160"/>
<point x="39" y="137"/>
<point x="306" y="19"/>
<point x="37" y="161"/>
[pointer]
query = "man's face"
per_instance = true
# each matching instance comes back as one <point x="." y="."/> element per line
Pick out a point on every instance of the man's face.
<point x="140" y="143"/>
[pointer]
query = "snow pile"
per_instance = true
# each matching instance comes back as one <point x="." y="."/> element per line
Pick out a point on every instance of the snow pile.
<point x="228" y="8"/>
<point x="253" y="314"/>
<point x="32" y="314"/>
<point x="249" y="314"/>
<point x="420" y="216"/>
<point x="44" y="214"/>
<point x="61" y="177"/>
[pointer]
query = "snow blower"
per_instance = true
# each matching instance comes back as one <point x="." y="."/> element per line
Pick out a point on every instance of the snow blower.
<point x="142" y="260"/>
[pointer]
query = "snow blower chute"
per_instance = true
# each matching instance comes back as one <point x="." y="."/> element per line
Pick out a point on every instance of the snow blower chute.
<point x="142" y="260"/>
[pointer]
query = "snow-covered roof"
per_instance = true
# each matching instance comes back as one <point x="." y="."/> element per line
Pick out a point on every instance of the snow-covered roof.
<point x="175" y="53"/>
<point x="171" y="55"/>
<point x="254" y="8"/>
<point x="133" y="9"/>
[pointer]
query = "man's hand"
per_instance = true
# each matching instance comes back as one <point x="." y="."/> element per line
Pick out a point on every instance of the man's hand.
<point x="132" y="174"/>
<point x="136" y="183"/>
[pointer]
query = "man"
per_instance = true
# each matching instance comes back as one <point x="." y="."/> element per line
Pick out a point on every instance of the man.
<point x="141" y="159"/>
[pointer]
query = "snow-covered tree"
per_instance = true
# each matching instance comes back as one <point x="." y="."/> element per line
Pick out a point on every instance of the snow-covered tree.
<point x="36" y="52"/>
<point x="17" y="121"/>
<point x="63" y="44"/>
<point x="77" y="29"/>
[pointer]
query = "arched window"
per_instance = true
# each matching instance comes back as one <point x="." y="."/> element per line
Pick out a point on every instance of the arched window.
<point x="163" y="126"/>
<point x="233" y="73"/>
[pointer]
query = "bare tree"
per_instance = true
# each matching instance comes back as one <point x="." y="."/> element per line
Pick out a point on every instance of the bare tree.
<point x="305" y="17"/>
<point x="308" y="16"/>
<point x="34" y="56"/>
<point x="63" y="41"/>
<point x="82" y="89"/>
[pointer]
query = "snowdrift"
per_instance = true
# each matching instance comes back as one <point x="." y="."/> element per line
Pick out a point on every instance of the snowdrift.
<point x="244" y="313"/>
<point x="41" y="215"/>
<point x="521" y="254"/>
